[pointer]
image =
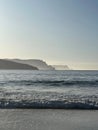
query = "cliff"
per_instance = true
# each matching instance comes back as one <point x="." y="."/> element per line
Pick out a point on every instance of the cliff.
<point x="40" y="64"/>
<point x="6" y="64"/>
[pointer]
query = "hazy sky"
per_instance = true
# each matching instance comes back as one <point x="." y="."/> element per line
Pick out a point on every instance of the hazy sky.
<point x="57" y="31"/>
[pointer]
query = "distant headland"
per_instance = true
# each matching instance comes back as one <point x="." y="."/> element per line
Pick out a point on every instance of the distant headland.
<point x="6" y="64"/>
<point x="29" y="64"/>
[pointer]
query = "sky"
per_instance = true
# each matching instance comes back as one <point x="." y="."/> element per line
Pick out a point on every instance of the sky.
<point x="57" y="31"/>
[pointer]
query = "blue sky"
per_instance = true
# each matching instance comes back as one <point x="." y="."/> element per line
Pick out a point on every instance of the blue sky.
<point x="57" y="31"/>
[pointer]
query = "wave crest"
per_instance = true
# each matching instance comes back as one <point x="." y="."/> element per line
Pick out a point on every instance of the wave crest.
<point x="53" y="104"/>
<point x="50" y="83"/>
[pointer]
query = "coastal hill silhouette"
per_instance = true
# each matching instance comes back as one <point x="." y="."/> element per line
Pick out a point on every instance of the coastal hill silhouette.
<point x="40" y="64"/>
<point x="6" y="64"/>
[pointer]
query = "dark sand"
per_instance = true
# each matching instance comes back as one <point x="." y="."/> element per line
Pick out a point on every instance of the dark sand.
<point x="37" y="119"/>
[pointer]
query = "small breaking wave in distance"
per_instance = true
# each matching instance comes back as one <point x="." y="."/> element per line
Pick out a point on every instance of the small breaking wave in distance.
<point x="51" y="83"/>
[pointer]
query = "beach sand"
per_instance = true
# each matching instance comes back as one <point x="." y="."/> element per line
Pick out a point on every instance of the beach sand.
<point x="48" y="119"/>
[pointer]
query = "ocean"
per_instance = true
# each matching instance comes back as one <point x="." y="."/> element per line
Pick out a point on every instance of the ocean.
<point x="49" y="89"/>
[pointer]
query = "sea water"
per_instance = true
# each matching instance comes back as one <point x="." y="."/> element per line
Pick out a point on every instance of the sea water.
<point x="49" y="89"/>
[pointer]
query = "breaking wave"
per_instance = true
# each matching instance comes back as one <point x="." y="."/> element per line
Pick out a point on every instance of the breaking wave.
<point x="51" y="83"/>
<point x="51" y="104"/>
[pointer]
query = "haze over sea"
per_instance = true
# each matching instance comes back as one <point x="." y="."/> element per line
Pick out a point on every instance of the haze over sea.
<point x="49" y="89"/>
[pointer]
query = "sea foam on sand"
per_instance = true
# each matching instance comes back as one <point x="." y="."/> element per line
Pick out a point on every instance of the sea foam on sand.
<point x="48" y="119"/>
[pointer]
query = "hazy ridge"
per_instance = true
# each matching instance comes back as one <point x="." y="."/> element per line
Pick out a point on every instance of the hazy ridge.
<point x="61" y="67"/>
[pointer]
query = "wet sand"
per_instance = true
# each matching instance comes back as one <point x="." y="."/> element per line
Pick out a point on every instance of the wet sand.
<point x="48" y="119"/>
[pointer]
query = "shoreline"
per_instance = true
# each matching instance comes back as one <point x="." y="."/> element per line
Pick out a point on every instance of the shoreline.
<point x="48" y="119"/>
